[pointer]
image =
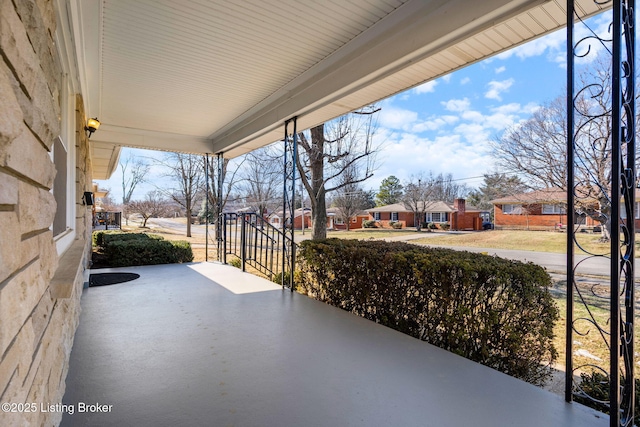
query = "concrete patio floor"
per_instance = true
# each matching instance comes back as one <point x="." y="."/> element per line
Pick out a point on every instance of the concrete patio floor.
<point x="204" y="344"/>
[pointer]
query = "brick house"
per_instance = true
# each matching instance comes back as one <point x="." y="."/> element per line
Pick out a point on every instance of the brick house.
<point x="299" y="215"/>
<point x="458" y="215"/>
<point x="540" y="210"/>
<point x="336" y="222"/>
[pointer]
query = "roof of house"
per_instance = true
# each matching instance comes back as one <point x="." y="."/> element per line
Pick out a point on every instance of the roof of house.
<point x="548" y="195"/>
<point x="296" y="213"/>
<point x="430" y="206"/>
<point x="335" y="211"/>
<point x="538" y="196"/>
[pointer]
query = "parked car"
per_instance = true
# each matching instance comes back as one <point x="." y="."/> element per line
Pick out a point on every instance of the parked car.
<point x="487" y="225"/>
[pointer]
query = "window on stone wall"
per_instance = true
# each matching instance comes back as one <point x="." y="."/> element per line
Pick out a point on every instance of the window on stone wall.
<point x="376" y="216"/>
<point x="62" y="152"/>
<point x="394" y="216"/>
<point x="339" y="221"/>
<point x="60" y="187"/>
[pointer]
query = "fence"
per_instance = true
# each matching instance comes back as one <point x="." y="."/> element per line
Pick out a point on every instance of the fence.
<point x="107" y="220"/>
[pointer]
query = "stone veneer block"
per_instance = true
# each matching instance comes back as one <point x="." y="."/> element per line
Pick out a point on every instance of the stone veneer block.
<point x="10" y="241"/>
<point x="28" y="157"/>
<point x="11" y="118"/>
<point x="8" y="189"/>
<point x="36" y="209"/>
<point x="17" y="48"/>
<point x="18" y="298"/>
<point x="41" y="316"/>
<point x="31" y="16"/>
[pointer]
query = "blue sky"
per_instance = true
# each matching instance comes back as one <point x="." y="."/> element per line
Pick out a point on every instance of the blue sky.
<point x="445" y="126"/>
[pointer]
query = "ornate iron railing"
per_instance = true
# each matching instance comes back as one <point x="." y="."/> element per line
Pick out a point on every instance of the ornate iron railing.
<point x="607" y="101"/>
<point x="256" y="243"/>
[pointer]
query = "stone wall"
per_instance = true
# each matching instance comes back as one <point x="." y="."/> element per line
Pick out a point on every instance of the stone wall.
<point x="36" y="329"/>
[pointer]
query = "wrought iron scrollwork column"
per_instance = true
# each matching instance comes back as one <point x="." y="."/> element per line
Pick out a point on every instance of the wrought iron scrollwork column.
<point x="612" y="203"/>
<point x="206" y="207"/>
<point x="219" y="215"/>
<point x="288" y="205"/>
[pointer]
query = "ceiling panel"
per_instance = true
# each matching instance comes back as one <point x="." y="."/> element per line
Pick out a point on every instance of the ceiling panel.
<point x="223" y="75"/>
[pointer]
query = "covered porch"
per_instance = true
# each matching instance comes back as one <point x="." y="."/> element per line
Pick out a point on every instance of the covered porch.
<point x="206" y="344"/>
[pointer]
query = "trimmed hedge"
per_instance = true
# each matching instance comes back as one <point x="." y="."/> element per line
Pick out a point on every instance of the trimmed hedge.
<point x="127" y="249"/>
<point x="97" y="237"/>
<point x="494" y="311"/>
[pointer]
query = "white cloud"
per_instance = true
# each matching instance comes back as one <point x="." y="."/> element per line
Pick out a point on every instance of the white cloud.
<point x="426" y="87"/>
<point x="434" y="123"/>
<point x="550" y="43"/>
<point x="446" y="78"/>
<point x="500" y="69"/>
<point x="496" y="88"/>
<point x="473" y="116"/>
<point x="511" y="108"/>
<point x="473" y="133"/>
<point x="397" y="118"/>
<point x="465" y="81"/>
<point x="409" y="154"/>
<point x="457" y="105"/>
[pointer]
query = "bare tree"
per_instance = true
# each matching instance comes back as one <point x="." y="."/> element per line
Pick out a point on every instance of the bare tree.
<point x="187" y="175"/>
<point x="134" y="169"/>
<point x="537" y="148"/>
<point x="108" y="204"/>
<point x="261" y="183"/>
<point x="417" y="192"/>
<point x="153" y="206"/>
<point x="327" y="150"/>
<point x="229" y="174"/>
<point x="445" y="188"/>
<point x="350" y="199"/>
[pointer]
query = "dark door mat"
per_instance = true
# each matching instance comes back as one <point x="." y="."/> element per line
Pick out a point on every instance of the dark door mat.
<point x="101" y="279"/>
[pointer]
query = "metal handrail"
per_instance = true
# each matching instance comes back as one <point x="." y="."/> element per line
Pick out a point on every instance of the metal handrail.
<point x="256" y="242"/>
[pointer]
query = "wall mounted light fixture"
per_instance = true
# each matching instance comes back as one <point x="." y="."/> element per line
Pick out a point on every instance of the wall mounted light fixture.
<point x="87" y="198"/>
<point x="92" y="126"/>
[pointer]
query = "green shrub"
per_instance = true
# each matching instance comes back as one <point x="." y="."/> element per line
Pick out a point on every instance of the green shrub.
<point x="369" y="223"/>
<point x="125" y="237"/>
<point x="596" y="385"/>
<point x="235" y="262"/>
<point x="491" y="310"/>
<point x="397" y="225"/>
<point x="147" y="251"/>
<point x="98" y="236"/>
<point x="277" y="278"/>
<point x="432" y="226"/>
<point x="445" y="226"/>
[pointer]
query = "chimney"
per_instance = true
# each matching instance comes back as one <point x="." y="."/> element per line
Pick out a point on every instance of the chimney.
<point x="459" y="205"/>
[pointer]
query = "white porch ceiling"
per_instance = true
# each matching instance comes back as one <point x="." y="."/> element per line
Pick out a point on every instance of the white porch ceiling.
<point x="223" y="75"/>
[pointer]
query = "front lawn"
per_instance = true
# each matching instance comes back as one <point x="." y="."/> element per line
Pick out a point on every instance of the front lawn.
<point x="542" y="241"/>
